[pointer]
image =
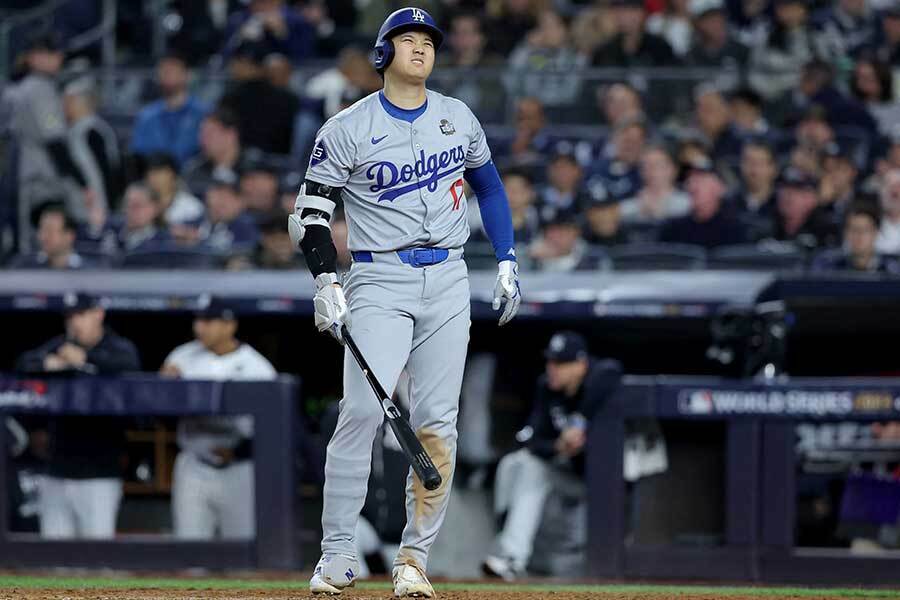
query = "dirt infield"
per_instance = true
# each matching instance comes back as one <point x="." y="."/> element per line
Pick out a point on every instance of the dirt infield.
<point x="274" y="594"/>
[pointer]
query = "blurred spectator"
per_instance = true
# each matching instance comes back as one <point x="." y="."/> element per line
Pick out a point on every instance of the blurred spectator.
<point x="275" y="250"/>
<point x="171" y="124"/>
<point x="754" y="197"/>
<point x="288" y="188"/>
<point x="177" y="204"/>
<point x="603" y="219"/>
<point x="619" y="172"/>
<point x="818" y="88"/>
<point x="747" y="117"/>
<point x="845" y="28"/>
<point x="531" y="139"/>
<point x="213" y="478"/>
<point x="837" y="187"/>
<point x="751" y="20"/>
<point x="888" y="49"/>
<point x="592" y="27"/>
<point x="545" y="65"/>
<point x="141" y="229"/>
<point x="259" y="187"/>
<point x="813" y="135"/>
<point x="265" y="113"/>
<point x="563" y="191"/>
<point x="198" y="27"/>
<point x="561" y="248"/>
<point x="658" y="198"/>
<point x="889" y="235"/>
<point x="279" y="71"/>
<point x="800" y="217"/>
<point x="37" y="122"/>
<point x="673" y="24"/>
<point x="776" y="63"/>
<point x="220" y="142"/>
<point x="713" y="118"/>
<point x="56" y="240"/>
<point x="709" y="223"/>
<point x="690" y="150"/>
<point x="509" y="25"/>
<point x="713" y="44"/>
<point x="859" y="252"/>
<point x="621" y="103"/>
<point x="82" y="488"/>
<point x="466" y="52"/>
<point x="353" y="75"/>
<point x="873" y="85"/>
<point x="633" y="46"/>
<point x="92" y="143"/>
<point x="228" y="227"/>
<point x="552" y="460"/>
<point x="274" y="27"/>
<point x="521" y="194"/>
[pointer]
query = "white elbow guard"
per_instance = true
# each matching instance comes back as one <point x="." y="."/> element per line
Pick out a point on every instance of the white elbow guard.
<point x="318" y="212"/>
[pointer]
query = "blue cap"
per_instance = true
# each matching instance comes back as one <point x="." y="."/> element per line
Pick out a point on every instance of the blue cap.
<point x="405" y="19"/>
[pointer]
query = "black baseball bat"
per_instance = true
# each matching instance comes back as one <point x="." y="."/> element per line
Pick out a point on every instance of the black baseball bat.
<point x="412" y="447"/>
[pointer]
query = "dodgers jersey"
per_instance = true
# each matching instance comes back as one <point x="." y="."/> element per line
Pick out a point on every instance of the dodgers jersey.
<point x="402" y="182"/>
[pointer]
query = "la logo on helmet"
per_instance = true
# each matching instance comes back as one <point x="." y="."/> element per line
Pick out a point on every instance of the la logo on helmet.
<point x="418" y="15"/>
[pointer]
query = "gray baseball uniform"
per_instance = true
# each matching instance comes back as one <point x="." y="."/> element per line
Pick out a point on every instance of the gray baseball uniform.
<point x="402" y="181"/>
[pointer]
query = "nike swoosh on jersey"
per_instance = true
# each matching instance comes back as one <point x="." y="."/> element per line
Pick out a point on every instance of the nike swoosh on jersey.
<point x="376" y="140"/>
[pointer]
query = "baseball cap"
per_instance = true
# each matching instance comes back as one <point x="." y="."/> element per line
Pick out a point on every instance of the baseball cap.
<point x="74" y="302"/>
<point x="215" y="307"/>
<point x="566" y="346"/>
<point x="698" y="8"/>
<point x="794" y="177"/>
<point x="564" y="217"/>
<point x="224" y="178"/>
<point x="254" y="52"/>
<point x="49" y="42"/>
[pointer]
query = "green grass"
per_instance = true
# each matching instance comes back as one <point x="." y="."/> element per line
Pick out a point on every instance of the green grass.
<point x="86" y="583"/>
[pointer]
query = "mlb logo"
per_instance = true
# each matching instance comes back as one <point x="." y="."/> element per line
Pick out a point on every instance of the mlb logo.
<point x="418" y="15"/>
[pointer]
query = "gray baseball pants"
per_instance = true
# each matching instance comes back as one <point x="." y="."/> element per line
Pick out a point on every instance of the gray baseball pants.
<point x="401" y="317"/>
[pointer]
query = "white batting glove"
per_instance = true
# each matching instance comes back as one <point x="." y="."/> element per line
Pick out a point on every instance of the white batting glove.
<point x="330" y="306"/>
<point x="507" y="287"/>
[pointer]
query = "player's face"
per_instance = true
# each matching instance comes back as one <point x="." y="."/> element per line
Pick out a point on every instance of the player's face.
<point x="413" y="56"/>
<point x="212" y="333"/>
<point x="86" y="326"/>
<point x="565" y="374"/>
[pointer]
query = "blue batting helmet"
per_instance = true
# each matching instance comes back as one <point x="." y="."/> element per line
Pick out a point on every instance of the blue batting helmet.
<point x="397" y="22"/>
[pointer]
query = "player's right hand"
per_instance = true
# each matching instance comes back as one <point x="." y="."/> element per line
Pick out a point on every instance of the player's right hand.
<point x="330" y="306"/>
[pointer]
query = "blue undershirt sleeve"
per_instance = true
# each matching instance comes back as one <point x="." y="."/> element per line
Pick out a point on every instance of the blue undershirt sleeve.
<point x="494" y="208"/>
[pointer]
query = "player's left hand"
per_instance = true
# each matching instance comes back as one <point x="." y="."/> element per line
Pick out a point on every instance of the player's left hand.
<point x="507" y="287"/>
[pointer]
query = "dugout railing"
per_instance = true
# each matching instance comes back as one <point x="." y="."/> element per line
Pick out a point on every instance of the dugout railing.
<point x="760" y="478"/>
<point x="272" y="404"/>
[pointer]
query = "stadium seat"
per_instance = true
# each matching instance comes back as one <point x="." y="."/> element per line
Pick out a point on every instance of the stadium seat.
<point x="637" y="257"/>
<point x="766" y="255"/>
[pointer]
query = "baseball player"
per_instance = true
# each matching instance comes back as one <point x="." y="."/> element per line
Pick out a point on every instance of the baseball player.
<point x="213" y="478"/>
<point x="398" y="160"/>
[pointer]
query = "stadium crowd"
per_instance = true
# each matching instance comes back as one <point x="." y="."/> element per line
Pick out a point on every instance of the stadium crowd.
<point x="788" y="143"/>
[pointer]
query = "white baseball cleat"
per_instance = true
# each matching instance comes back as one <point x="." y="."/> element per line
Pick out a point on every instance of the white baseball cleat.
<point x="333" y="573"/>
<point x="498" y="566"/>
<point x="410" y="582"/>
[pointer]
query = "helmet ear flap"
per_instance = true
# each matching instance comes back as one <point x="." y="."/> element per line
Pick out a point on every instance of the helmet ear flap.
<point x="384" y="54"/>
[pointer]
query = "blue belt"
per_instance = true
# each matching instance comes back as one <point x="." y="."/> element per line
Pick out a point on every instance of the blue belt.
<point x="414" y="257"/>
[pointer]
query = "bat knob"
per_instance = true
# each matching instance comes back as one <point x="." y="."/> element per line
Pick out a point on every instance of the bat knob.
<point x="432" y="482"/>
